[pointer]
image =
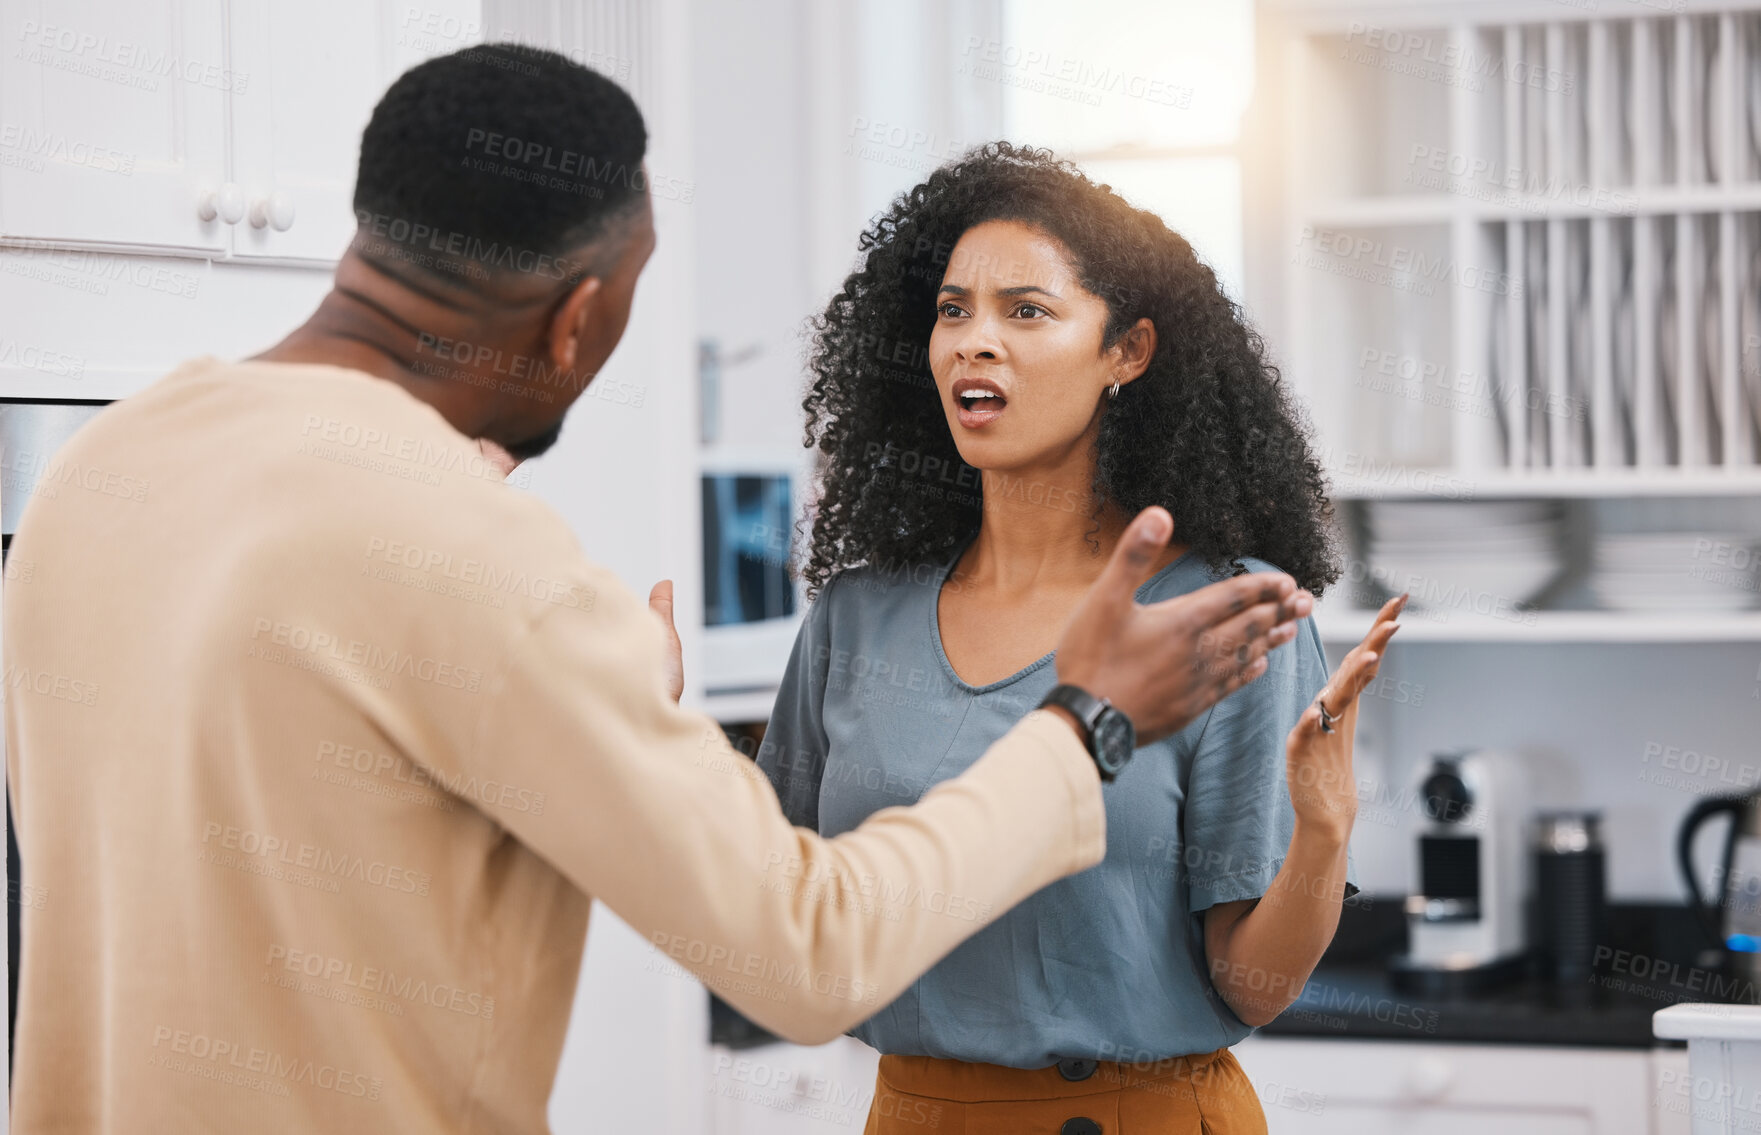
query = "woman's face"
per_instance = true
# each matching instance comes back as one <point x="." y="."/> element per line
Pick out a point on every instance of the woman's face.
<point x="1016" y="350"/>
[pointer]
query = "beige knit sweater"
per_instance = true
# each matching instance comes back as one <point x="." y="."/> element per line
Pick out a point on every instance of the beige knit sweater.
<point x="321" y="738"/>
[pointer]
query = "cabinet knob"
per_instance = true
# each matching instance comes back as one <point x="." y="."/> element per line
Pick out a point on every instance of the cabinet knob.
<point x="227" y="203"/>
<point x="275" y="210"/>
<point x="1428" y="1079"/>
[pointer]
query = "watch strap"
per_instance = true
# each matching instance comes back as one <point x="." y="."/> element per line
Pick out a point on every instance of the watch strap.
<point x="1084" y="705"/>
<point x="1087" y="709"/>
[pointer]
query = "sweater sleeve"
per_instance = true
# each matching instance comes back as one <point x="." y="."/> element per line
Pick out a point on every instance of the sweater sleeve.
<point x="649" y="810"/>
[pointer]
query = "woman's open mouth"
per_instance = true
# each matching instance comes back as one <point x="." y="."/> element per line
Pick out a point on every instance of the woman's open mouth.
<point x="980" y="402"/>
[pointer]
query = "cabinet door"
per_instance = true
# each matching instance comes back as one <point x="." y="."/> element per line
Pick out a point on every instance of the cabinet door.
<point x="112" y="121"/>
<point x="785" y="1089"/>
<point x="1341" y="1087"/>
<point x="314" y="71"/>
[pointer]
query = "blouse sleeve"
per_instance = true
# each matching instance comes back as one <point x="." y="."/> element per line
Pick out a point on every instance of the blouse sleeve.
<point x="1238" y="818"/>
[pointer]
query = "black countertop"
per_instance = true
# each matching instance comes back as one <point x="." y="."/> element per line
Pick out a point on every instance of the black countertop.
<point x="1654" y="957"/>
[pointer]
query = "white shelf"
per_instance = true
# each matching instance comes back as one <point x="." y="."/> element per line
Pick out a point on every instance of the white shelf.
<point x="1386" y="211"/>
<point x="1347" y="627"/>
<point x="1396" y="483"/>
<point x="1693" y="1022"/>
<point x="739" y="708"/>
<point x="1620" y="202"/>
<point x="1390" y="210"/>
<point x="1339" y="17"/>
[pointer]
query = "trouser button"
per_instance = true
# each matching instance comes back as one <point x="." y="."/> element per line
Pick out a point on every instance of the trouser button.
<point x="1075" y="1069"/>
<point x="1081" y="1125"/>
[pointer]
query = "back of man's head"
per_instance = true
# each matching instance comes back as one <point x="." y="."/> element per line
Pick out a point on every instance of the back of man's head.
<point x="497" y="159"/>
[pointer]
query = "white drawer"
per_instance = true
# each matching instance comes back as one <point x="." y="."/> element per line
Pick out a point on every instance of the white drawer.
<point x="1339" y="1087"/>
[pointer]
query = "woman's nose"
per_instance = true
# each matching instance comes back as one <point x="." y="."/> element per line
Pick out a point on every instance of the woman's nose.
<point x="979" y="342"/>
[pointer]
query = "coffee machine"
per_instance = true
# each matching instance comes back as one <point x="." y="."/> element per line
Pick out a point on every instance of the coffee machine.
<point x="1466" y="922"/>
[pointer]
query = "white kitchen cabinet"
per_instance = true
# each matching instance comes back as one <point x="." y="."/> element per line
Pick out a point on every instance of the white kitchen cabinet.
<point x="787" y="1089"/>
<point x="112" y="122"/>
<point x="1323" y="1087"/>
<point x="316" y="69"/>
<point x="198" y="127"/>
<point x="1671" y="1090"/>
<point x="1307" y="1087"/>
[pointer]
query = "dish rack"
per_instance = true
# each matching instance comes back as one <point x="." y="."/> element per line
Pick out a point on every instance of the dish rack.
<point x="1522" y="237"/>
<point x="1511" y="250"/>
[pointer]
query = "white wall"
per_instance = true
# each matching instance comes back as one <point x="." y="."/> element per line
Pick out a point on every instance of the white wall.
<point x="750" y="105"/>
<point x="810" y="118"/>
<point x="1584" y="716"/>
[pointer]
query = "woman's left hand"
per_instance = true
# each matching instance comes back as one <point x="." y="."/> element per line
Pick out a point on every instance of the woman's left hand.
<point x="1323" y="789"/>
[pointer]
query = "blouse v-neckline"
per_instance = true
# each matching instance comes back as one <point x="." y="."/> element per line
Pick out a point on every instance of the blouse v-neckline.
<point x="935" y="623"/>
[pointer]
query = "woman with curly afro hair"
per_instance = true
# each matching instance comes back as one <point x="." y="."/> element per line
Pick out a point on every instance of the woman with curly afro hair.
<point x="1022" y="362"/>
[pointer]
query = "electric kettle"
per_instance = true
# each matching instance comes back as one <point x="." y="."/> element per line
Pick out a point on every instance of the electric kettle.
<point x="1732" y="916"/>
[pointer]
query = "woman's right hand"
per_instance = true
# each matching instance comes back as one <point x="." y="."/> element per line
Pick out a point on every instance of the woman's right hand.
<point x="1164" y="664"/>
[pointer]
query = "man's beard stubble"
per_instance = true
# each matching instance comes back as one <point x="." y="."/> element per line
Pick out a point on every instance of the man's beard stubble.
<point x="536" y="444"/>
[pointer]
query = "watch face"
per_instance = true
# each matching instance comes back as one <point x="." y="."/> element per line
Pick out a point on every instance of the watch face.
<point x="1114" y="739"/>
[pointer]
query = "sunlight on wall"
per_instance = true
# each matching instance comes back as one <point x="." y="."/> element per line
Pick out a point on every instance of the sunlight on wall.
<point x="1199" y="198"/>
<point x="1125" y="93"/>
<point x="1149" y="73"/>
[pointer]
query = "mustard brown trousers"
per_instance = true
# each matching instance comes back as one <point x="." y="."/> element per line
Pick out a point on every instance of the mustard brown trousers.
<point x="1206" y="1094"/>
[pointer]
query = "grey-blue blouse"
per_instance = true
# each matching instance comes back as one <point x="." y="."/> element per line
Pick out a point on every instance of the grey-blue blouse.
<point x="1108" y="964"/>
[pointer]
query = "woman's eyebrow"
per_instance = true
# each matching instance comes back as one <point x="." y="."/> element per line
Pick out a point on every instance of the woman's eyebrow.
<point x="1019" y="290"/>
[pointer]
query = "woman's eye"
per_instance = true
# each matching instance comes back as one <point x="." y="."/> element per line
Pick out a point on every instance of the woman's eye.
<point x="949" y="311"/>
<point x="1031" y="310"/>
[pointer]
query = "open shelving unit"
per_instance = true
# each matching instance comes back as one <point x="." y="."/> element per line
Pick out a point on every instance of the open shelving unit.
<point x="1522" y="259"/>
<point x="1346" y="627"/>
<point x="1551" y="483"/>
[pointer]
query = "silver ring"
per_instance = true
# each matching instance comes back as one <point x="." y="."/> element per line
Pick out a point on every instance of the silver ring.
<point x="1327" y="719"/>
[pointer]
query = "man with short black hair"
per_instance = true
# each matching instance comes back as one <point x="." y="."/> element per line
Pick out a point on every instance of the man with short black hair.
<point x="367" y="729"/>
<point x="503" y="221"/>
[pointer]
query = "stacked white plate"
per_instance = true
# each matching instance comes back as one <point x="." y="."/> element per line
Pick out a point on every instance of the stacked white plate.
<point x="1676" y="571"/>
<point x="1484" y="557"/>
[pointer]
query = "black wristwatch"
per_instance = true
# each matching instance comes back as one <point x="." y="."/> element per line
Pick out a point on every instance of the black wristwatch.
<point x="1109" y="735"/>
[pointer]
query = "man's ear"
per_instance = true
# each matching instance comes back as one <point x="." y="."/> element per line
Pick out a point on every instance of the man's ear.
<point x="570" y="321"/>
<point x="1135" y="349"/>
